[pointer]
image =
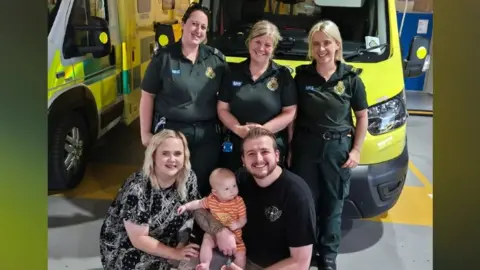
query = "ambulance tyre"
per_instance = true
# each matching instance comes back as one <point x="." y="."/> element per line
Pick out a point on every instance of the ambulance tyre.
<point x="68" y="151"/>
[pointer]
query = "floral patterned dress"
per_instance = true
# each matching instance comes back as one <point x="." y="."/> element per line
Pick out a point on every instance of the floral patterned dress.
<point x="138" y="202"/>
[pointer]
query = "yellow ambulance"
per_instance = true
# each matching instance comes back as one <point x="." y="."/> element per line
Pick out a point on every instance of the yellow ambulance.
<point x="97" y="54"/>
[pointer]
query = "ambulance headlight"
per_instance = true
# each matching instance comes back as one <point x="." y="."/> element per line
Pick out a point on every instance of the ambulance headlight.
<point x="388" y="115"/>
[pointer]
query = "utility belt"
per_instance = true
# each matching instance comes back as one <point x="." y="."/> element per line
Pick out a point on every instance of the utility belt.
<point x="326" y="135"/>
<point x="162" y="122"/>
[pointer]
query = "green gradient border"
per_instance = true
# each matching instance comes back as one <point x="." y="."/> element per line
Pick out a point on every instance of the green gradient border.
<point x="456" y="144"/>
<point x="23" y="135"/>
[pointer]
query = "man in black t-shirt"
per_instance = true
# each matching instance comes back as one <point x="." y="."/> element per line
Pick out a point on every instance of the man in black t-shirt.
<point x="280" y="229"/>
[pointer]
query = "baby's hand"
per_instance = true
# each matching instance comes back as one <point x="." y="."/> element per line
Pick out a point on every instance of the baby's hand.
<point x="233" y="226"/>
<point x="181" y="209"/>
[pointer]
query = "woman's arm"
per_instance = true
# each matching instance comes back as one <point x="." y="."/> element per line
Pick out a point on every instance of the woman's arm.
<point x="227" y="118"/>
<point x="138" y="235"/>
<point x="282" y="120"/>
<point x="151" y="86"/>
<point x="360" y="129"/>
<point x="360" y="107"/>
<point x="146" y="112"/>
<point x="223" y="110"/>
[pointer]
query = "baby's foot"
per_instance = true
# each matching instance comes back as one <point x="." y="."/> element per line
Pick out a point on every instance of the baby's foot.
<point x="203" y="266"/>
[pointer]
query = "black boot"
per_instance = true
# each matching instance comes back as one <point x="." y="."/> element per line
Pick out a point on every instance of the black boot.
<point x="329" y="264"/>
<point x="324" y="263"/>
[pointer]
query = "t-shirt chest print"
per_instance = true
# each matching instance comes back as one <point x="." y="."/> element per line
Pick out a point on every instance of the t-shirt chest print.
<point x="272" y="213"/>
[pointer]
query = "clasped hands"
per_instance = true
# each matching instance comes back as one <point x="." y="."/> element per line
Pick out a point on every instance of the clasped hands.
<point x="242" y="130"/>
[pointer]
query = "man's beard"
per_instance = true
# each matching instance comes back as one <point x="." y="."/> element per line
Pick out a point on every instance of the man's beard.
<point x="262" y="175"/>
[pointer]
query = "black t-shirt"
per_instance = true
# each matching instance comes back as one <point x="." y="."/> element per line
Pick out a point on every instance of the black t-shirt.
<point x="185" y="91"/>
<point x="261" y="100"/>
<point x="327" y="105"/>
<point x="279" y="216"/>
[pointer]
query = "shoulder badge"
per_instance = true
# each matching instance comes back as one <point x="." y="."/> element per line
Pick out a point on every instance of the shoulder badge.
<point x="339" y="89"/>
<point x="210" y="73"/>
<point x="272" y="84"/>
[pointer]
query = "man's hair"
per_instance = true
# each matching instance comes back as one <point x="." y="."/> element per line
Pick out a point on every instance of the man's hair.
<point x="259" y="132"/>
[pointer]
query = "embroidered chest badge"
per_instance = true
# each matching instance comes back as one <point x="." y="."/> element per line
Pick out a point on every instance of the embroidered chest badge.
<point x="272" y="84"/>
<point x="339" y="89"/>
<point x="210" y="73"/>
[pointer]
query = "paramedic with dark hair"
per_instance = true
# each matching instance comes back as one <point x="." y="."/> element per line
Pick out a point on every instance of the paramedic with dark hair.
<point x="179" y="92"/>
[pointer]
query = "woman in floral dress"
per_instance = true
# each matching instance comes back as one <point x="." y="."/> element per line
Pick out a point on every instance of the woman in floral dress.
<point x="142" y="228"/>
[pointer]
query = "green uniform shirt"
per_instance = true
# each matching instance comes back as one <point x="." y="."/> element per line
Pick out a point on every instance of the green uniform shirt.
<point x="185" y="91"/>
<point x="261" y="100"/>
<point x="327" y="105"/>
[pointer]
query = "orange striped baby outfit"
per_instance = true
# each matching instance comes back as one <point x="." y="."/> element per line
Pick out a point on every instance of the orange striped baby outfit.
<point x="227" y="212"/>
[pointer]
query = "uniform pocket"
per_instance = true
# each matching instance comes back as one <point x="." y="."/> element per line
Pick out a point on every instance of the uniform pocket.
<point x="345" y="173"/>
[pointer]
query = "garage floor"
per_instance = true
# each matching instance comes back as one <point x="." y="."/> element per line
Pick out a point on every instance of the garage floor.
<point x="419" y="101"/>
<point x="401" y="240"/>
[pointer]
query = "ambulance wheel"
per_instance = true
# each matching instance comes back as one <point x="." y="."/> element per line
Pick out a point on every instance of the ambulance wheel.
<point x="68" y="152"/>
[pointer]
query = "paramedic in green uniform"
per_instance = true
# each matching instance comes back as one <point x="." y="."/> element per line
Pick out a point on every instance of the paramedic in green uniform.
<point x="256" y="92"/>
<point x="326" y="145"/>
<point x="179" y="92"/>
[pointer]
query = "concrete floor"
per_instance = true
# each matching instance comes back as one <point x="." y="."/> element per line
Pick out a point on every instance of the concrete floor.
<point x="419" y="101"/>
<point x="401" y="240"/>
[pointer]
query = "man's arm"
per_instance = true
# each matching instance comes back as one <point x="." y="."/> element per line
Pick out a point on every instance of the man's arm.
<point x="207" y="222"/>
<point x="224" y="237"/>
<point x="300" y="229"/>
<point x="299" y="259"/>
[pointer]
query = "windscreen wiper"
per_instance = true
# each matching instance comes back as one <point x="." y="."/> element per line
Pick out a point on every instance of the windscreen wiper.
<point x="362" y="51"/>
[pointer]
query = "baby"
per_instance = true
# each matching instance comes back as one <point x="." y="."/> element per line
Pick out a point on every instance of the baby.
<point x="228" y="208"/>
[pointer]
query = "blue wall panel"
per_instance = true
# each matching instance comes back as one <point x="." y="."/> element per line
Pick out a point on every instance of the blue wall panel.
<point x="408" y="33"/>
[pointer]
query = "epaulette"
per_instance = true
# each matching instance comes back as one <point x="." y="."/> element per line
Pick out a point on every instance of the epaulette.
<point x="352" y="69"/>
<point x="159" y="51"/>
<point x="217" y="53"/>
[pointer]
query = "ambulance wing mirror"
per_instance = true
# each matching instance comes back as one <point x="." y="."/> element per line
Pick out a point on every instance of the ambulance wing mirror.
<point x="99" y="41"/>
<point x="413" y="65"/>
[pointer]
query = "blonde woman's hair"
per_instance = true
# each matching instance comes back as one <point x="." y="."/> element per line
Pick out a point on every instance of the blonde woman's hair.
<point x="149" y="161"/>
<point x="332" y="31"/>
<point x="264" y="28"/>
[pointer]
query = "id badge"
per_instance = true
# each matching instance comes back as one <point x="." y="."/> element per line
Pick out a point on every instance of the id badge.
<point x="227" y="145"/>
<point x="160" y="125"/>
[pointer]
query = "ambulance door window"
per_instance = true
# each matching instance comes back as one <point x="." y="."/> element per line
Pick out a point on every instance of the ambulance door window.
<point x="78" y="28"/>
<point x="74" y="36"/>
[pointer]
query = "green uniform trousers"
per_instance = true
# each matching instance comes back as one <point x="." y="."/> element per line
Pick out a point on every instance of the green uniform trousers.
<point x="318" y="161"/>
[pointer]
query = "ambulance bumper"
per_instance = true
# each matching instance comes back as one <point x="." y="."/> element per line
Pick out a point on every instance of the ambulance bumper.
<point x="375" y="188"/>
